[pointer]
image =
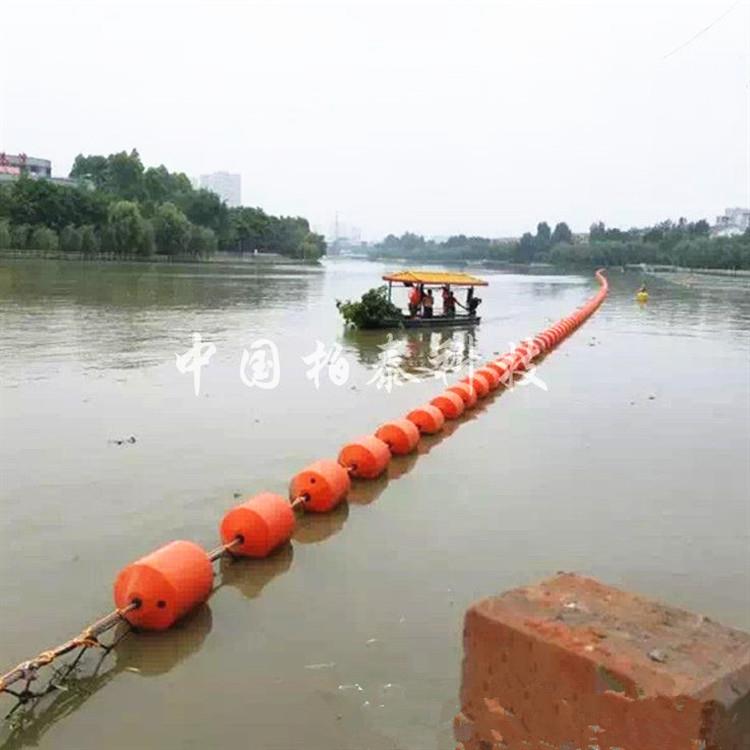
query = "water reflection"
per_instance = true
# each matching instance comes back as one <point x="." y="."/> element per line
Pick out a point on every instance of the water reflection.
<point x="422" y="351"/>
<point x="367" y="492"/>
<point x="313" y="528"/>
<point x="400" y="466"/>
<point x="127" y="315"/>
<point x="146" y="654"/>
<point x="250" y="577"/>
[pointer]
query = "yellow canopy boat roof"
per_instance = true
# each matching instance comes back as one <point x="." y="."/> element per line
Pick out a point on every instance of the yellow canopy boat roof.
<point x="438" y="278"/>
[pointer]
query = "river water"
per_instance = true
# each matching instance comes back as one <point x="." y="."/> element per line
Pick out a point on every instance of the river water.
<point x="631" y="466"/>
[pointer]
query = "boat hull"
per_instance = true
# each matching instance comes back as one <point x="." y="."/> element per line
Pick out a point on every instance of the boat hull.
<point x="459" y="321"/>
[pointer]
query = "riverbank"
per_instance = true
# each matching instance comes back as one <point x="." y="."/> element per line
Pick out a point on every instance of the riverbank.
<point x="219" y="257"/>
<point x="661" y="270"/>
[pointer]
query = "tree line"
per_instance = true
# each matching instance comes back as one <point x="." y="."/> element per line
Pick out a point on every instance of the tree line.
<point x="121" y="208"/>
<point x="680" y="243"/>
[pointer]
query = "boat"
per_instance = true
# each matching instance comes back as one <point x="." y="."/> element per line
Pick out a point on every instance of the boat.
<point x="435" y="280"/>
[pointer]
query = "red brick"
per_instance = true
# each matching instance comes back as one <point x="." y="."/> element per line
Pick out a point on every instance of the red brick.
<point x="573" y="664"/>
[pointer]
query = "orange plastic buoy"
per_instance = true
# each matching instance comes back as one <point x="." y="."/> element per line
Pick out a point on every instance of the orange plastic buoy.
<point x="548" y="338"/>
<point x="263" y="522"/>
<point x="323" y="484"/>
<point x="479" y="383"/>
<point x="503" y="368"/>
<point x="510" y="360"/>
<point x="490" y="375"/>
<point x="168" y="583"/>
<point x="366" y="457"/>
<point x="497" y="367"/>
<point x="466" y="392"/>
<point x="523" y="353"/>
<point x="428" y="419"/>
<point x="450" y="403"/>
<point x="401" y="436"/>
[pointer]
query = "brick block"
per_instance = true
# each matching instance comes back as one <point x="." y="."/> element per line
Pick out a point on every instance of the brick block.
<point x="573" y="664"/>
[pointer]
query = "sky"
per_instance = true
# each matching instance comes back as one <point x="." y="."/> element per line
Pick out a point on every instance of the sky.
<point x="481" y="118"/>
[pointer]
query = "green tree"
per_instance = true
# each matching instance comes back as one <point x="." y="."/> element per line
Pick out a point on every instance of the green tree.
<point x="127" y="229"/>
<point x="172" y="230"/>
<point x="43" y="202"/>
<point x="148" y="243"/>
<point x="125" y="175"/>
<point x="206" y="209"/>
<point x="543" y="236"/>
<point x="5" y="239"/>
<point x="202" y="241"/>
<point x="526" y="248"/>
<point x="89" y="240"/>
<point x="701" y="228"/>
<point x="43" y="238"/>
<point x="597" y="231"/>
<point x="562" y="233"/>
<point x="19" y="236"/>
<point x="70" y="239"/>
<point x="91" y="168"/>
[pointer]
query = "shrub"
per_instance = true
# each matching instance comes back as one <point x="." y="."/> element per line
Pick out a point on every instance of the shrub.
<point x="202" y="241"/>
<point x="372" y="311"/>
<point x="19" y="236"/>
<point x="4" y="235"/>
<point x="70" y="239"/>
<point x="44" y="238"/>
<point x="172" y="230"/>
<point x="89" y="240"/>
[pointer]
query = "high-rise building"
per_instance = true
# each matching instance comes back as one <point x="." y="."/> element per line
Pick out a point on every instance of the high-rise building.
<point x="734" y="218"/>
<point x="226" y="185"/>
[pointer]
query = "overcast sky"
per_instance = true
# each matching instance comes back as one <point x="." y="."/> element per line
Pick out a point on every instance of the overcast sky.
<point x="437" y="117"/>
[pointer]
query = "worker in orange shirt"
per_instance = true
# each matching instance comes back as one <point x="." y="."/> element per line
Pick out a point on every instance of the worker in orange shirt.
<point x="415" y="301"/>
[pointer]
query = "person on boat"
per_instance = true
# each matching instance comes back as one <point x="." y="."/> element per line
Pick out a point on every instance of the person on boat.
<point x="415" y="301"/>
<point x="472" y="302"/>
<point x="449" y="304"/>
<point x="428" y="302"/>
<point x="446" y="293"/>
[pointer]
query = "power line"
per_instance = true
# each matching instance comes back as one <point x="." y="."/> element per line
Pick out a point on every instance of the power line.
<point x="702" y="31"/>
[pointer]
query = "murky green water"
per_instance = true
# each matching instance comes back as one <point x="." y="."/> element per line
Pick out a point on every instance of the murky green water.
<point x="632" y="466"/>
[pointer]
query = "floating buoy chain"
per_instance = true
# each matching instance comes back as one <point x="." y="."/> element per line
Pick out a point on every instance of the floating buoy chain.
<point x="155" y="591"/>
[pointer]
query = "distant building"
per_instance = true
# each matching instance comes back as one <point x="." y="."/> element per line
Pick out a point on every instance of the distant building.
<point x="18" y="164"/>
<point x="226" y="185"/>
<point x="733" y="221"/>
<point x="12" y="166"/>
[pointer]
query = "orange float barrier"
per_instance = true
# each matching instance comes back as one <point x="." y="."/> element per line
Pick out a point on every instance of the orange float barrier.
<point x="165" y="585"/>
<point x="540" y="344"/>
<point x="524" y="356"/>
<point x="401" y="436"/>
<point x="490" y="375"/>
<point x="321" y="485"/>
<point x="465" y="392"/>
<point x="479" y="383"/>
<point x="366" y="457"/>
<point x="498" y="367"/>
<point x="503" y="369"/>
<point x="428" y="419"/>
<point x="450" y="403"/>
<point x="261" y="524"/>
